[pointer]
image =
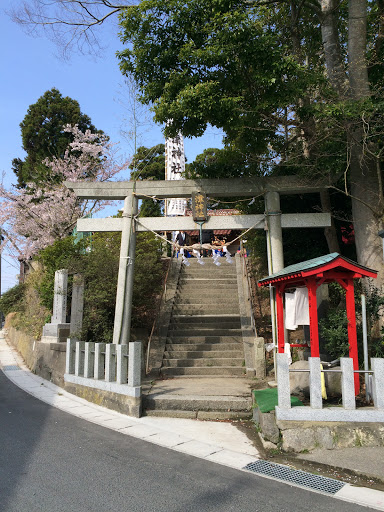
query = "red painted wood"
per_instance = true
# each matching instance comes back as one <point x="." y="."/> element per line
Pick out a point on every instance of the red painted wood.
<point x="352" y="335"/>
<point x="313" y="321"/>
<point x="340" y="262"/>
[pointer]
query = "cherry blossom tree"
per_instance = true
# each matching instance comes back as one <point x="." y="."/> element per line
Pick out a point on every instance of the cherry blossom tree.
<point x="32" y="220"/>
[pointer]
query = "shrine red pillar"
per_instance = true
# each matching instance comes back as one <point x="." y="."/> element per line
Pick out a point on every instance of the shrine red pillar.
<point x="313" y="320"/>
<point x="352" y="335"/>
<point x="280" y="318"/>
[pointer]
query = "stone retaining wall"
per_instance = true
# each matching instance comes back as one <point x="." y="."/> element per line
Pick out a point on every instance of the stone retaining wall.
<point x="45" y="359"/>
<point x="303" y="436"/>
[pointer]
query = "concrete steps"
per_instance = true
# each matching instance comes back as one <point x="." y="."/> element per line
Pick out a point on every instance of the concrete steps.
<point x="182" y="353"/>
<point x="204" y="347"/>
<point x="204" y="371"/>
<point x="203" y="332"/>
<point x="204" y="408"/>
<point x="203" y="361"/>
<point x="204" y="335"/>
<point x="205" y="309"/>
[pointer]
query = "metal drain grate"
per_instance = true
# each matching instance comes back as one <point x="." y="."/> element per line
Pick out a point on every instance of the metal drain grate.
<point x="295" y="476"/>
<point x="10" y="367"/>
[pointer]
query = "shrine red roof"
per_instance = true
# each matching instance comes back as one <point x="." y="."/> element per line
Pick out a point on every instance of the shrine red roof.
<point x="326" y="267"/>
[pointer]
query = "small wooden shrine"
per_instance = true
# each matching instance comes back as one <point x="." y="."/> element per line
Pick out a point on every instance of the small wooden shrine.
<point x="311" y="274"/>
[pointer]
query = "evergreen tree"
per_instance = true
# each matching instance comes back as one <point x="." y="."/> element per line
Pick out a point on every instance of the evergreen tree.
<point x="43" y="136"/>
<point x="149" y="164"/>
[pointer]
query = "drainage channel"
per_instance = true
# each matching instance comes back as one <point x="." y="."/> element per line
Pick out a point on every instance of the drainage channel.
<point x="10" y="367"/>
<point x="295" y="476"/>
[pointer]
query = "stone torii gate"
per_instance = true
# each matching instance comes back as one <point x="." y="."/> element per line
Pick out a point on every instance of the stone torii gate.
<point x="130" y="191"/>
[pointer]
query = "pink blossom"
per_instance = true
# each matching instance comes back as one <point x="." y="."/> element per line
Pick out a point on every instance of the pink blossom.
<point x="33" y="218"/>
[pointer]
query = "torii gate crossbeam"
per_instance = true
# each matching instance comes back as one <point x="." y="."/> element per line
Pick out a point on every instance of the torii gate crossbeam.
<point x="273" y="221"/>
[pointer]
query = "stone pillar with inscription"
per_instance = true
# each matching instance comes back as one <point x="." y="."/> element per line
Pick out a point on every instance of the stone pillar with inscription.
<point x="77" y="306"/>
<point x="58" y="329"/>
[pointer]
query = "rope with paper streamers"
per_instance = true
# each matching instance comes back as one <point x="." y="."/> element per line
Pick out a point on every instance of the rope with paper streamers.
<point x="215" y="202"/>
<point x="197" y="247"/>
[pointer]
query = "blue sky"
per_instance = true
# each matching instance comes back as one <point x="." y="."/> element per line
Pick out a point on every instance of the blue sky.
<point x="30" y="67"/>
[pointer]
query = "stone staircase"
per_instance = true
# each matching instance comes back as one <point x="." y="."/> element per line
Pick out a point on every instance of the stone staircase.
<point x="204" y="336"/>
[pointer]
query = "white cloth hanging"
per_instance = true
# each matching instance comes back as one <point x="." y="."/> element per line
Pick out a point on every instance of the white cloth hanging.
<point x="301" y="306"/>
<point x="290" y="314"/>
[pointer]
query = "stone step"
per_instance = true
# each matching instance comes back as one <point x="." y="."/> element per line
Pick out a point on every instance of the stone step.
<point x="209" y="278"/>
<point x="207" y="309"/>
<point x="197" y="292"/>
<point x="185" y="300"/>
<point x="197" y="403"/>
<point x="193" y="326"/>
<point x="199" y="415"/>
<point x="212" y="273"/>
<point x="208" y="263"/>
<point x="204" y="362"/>
<point x="204" y="347"/>
<point x="204" y="332"/>
<point x="205" y="318"/>
<point x="206" y="371"/>
<point x="204" y="339"/>
<point x="181" y="353"/>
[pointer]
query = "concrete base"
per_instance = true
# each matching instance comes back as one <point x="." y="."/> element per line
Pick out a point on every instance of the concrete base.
<point x="60" y="332"/>
<point x="46" y="359"/>
<point x="50" y="339"/>
<point x="124" y="404"/>
<point x="306" y="436"/>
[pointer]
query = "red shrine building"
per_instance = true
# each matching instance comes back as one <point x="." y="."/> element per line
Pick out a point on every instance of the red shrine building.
<point x="311" y="274"/>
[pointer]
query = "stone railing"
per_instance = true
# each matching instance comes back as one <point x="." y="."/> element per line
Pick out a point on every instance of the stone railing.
<point x="315" y="412"/>
<point x="104" y="366"/>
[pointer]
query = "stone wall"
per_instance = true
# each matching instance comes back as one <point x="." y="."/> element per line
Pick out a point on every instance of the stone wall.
<point x="306" y="436"/>
<point x="121" y="403"/>
<point x="48" y="361"/>
<point x="45" y="359"/>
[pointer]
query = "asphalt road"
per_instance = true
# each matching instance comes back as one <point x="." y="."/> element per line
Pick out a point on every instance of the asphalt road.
<point x="51" y="461"/>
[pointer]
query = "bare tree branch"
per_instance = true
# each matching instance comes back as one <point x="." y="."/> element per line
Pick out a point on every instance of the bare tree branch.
<point x="70" y="24"/>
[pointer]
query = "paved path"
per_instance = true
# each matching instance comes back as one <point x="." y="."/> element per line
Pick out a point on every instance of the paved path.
<point x="49" y="455"/>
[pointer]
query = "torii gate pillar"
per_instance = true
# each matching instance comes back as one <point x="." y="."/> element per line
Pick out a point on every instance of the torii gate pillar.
<point x="275" y="252"/>
<point x="275" y="233"/>
<point x="123" y="307"/>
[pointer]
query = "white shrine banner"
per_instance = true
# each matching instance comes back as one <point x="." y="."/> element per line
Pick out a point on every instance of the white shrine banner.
<point x="174" y="167"/>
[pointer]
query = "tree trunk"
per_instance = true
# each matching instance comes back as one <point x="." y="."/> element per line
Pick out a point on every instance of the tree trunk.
<point x="366" y="187"/>
<point x="332" y="47"/>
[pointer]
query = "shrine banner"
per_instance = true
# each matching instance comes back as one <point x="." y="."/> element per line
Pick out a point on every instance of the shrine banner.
<point x="174" y="168"/>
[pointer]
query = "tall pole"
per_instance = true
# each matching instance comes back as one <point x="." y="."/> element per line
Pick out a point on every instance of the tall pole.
<point x="130" y="273"/>
<point x="130" y="208"/>
<point x="275" y="254"/>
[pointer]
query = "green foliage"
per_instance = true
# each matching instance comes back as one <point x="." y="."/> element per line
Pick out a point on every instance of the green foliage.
<point x="100" y="277"/>
<point x="334" y="329"/>
<point x="148" y="278"/>
<point x="219" y="163"/>
<point x="43" y="136"/>
<point x="32" y="315"/>
<point x="63" y="253"/>
<point x="149" y="164"/>
<point x="98" y="263"/>
<point x="11" y="300"/>
<point x="210" y="62"/>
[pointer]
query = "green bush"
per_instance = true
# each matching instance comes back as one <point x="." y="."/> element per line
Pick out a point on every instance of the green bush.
<point x="64" y="253"/>
<point x="334" y="329"/>
<point x="12" y="300"/>
<point x="99" y="268"/>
